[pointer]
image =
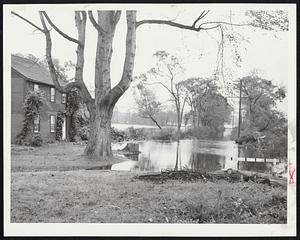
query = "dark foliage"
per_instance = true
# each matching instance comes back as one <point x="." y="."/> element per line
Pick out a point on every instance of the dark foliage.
<point x="32" y="104"/>
<point x="59" y="122"/>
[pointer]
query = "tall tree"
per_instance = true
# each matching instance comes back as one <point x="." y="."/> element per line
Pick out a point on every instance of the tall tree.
<point x="261" y="97"/>
<point x="167" y="70"/>
<point x="208" y="105"/>
<point x="101" y="107"/>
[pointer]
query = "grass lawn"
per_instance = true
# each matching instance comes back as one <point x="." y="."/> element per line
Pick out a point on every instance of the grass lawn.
<point x="54" y="157"/>
<point x="110" y="196"/>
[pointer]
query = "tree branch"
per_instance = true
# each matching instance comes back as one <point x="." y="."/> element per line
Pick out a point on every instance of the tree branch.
<point x="117" y="16"/>
<point x="188" y="27"/>
<point x="58" y="30"/>
<point x="116" y="92"/>
<point x="78" y="83"/>
<point x="26" y="20"/>
<point x="225" y="23"/>
<point x="202" y="15"/>
<point x="166" y="22"/>
<point x="95" y="24"/>
<point x="160" y="83"/>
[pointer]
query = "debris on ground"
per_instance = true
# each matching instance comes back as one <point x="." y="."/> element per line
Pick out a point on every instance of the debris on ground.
<point x="191" y="175"/>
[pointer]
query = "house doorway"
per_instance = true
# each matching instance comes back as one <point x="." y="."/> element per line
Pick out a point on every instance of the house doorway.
<point x="64" y="129"/>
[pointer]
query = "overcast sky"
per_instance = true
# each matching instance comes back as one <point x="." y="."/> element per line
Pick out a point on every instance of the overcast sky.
<point x="265" y="50"/>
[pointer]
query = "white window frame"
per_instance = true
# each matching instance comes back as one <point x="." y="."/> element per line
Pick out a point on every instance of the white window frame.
<point x="52" y="123"/>
<point x="36" y="121"/>
<point x="36" y="87"/>
<point x="52" y="94"/>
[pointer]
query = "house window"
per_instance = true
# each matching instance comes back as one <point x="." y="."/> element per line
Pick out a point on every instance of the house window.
<point x="63" y="98"/>
<point x="36" y="124"/>
<point x="35" y="87"/>
<point x="52" y="123"/>
<point x="52" y="95"/>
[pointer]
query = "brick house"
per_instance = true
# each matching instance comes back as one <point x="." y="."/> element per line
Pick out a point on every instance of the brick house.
<point x="27" y="75"/>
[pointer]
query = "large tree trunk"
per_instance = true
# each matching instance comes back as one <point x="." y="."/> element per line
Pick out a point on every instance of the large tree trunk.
<point x="99" y="144"/>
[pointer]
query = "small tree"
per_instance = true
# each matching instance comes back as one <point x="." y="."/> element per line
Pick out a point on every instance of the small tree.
<point x="196" y="90"/>
<point x="148" y="106"/>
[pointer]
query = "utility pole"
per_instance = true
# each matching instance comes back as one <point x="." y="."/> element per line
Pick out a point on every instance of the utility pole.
<point x="240" y="108"/>
<point x="233" y="119"/>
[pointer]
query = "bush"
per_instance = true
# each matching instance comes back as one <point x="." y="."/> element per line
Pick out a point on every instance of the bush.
<point x="117" y="135"/>
<point x="202" y="132"/>
<point x="165" y="134"/>
<point x="136" y="133"/>
<point x="84" y="132"/>
<point x="36" y="140"/>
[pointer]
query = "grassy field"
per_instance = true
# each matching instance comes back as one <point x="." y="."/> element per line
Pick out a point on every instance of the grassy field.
<point x="40" y="192"/>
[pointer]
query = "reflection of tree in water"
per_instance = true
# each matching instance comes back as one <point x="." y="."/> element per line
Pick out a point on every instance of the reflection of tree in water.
<point x="145" y="164"/>
<point x="251" y="152"/>
<point x="206" y="162"/>
<point x="134" y="157"/>
<point x="256" y="166"/>
<point x="178" y="156"/>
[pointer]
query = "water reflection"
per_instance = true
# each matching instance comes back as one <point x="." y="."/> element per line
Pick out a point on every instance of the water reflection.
<point x="256" y="166"/>
<point x="203" y="155"/>
<point x="207" y="162"/>
<point x="196" y="154"/>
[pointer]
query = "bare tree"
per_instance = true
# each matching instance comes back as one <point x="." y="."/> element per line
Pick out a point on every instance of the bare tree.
<point x="101" y="107"/>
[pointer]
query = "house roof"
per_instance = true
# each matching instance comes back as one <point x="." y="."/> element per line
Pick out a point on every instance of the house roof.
<point x="32" y="70"/>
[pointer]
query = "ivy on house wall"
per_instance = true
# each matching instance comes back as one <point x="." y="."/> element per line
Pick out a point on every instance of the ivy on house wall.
<point x="72" y="106"/>
<point x="59" y="125"/>
<point x="32" y="105"/>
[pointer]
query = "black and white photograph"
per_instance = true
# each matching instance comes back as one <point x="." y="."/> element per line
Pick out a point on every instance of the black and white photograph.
<point x="149" y="119"/>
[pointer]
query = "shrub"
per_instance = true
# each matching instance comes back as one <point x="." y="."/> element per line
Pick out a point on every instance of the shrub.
<point x="117" y="135"/>
<point x="136" y="133"/>
<point x="84" y="132"/>
<point x="36" y="140"/>
<point x="165" y="134"/>
<point x="203" y="132"/>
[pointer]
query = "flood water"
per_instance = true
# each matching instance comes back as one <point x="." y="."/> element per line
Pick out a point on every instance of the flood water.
<point x="193" y="154"/>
